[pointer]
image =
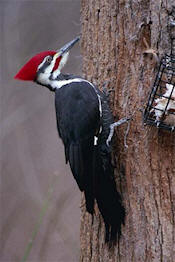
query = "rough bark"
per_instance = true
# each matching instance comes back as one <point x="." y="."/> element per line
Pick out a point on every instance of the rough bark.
<point x="115" y="35"/>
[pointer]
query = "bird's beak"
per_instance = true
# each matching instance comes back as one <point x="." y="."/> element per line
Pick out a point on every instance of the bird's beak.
<point x="66" y="47"/>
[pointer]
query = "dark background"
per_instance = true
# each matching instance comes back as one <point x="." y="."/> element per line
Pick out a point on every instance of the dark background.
<point x="32" y="157"/>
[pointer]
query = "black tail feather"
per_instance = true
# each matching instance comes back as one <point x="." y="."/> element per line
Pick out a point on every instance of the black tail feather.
<point x="94" y="173"/>
<point x="76" y="164"/>
<point x="108" y="199"/>
<point x="87" y="153"/>
<point x="81" y="159"/>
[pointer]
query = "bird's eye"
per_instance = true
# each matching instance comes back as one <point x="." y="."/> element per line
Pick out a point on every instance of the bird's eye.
<point x="49" y="59"/>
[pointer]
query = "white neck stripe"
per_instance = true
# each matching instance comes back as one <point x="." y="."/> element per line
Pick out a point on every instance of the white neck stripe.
<point x="59" y="83"/>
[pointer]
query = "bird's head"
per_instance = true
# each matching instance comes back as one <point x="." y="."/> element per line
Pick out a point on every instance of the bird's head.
<point x="45" y="67"/>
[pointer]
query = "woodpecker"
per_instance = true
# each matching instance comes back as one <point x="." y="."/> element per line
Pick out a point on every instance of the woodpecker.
<point x="83" y="122"/>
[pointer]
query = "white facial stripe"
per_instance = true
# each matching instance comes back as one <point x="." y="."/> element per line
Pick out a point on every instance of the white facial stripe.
<point x="56" y="73"/>
<point x="43" y="78"/>
<point x="50" y="67"/>
<point x="44" y="60"/>
<point x="63" y="60"/>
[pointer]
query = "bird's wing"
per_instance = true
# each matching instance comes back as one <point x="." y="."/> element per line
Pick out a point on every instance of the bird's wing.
<point x="78" y="120"/>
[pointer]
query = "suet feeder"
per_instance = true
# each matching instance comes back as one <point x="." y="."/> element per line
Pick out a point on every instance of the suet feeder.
<point x="160" y="109"/>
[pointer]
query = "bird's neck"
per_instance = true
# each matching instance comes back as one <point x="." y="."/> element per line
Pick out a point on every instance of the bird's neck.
<point x="54" y="83"/>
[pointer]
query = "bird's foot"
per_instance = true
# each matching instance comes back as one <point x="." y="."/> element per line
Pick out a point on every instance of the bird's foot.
<point x="113" y="125"/>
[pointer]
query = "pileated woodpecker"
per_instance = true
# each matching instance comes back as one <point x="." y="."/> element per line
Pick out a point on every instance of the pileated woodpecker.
<point x="83" y="122"/>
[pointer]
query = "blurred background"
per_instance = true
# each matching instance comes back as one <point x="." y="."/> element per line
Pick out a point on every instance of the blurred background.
<point x="34" y="177"/>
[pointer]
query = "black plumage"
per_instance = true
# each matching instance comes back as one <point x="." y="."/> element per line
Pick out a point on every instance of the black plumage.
<point x="83" y="121"/>
<point x="79" y="120"/>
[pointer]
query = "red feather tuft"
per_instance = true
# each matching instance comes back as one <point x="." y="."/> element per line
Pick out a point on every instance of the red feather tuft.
<point x="28" y="71"/>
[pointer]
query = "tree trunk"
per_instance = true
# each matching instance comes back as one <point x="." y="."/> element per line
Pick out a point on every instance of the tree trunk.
<point x="115" y="35"/>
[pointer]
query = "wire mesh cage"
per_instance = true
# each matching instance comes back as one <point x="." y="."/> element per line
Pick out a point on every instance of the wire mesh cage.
<point x="160" y="109"/>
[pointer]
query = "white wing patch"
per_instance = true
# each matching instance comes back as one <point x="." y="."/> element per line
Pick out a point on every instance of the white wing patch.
<point x="95" y="140"/>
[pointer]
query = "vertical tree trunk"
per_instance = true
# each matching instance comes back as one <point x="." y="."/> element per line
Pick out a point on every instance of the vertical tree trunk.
<point x="115" y="35"/>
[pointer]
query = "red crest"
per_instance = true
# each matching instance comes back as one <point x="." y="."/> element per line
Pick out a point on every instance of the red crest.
<point x="29" y="70"/>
